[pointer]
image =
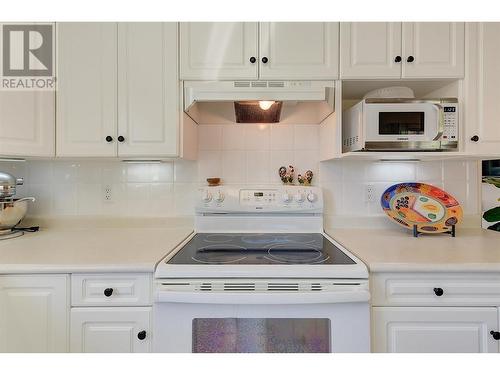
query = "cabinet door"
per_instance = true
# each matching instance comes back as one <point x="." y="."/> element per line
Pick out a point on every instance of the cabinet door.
<point x="369" y="50"/>
<point x="86" y="96"/>
<point x="299" y="50"/>
<point x="148" y="91"/>
<point x="437" y="49"/>
<point x="34" y="313"/>
<point x="482" y="88"/>
<point x="27" y="123"/>
<point x="218" y="50"/>
<point x="434" y="329"/>
<point x="110" y="330"/>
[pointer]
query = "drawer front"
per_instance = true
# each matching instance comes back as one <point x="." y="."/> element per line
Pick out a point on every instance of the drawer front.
<point x="111" y="289"/>
<point x="435" y="289"/>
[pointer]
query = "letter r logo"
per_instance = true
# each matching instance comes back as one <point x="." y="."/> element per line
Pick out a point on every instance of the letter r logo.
<point x="27" y="50"/>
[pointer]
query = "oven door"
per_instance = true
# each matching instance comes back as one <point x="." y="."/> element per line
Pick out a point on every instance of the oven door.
<point x="414" y="125"/>
<point x="253" y="322"/>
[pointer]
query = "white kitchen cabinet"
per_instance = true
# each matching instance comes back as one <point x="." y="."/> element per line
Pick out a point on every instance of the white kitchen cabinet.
<point x="148" y="91"/>
<point x="370" y="50"/>
<point x="482" y="89"/>
<point x="87" y="93"/>
<point x="298" y="50"/>
<point x="27" y="123"/>
<point x="111" y="330"/>
<point x="218" y="50"/>
<point x="34" y="313"/>
<point x="433" y="49"/>
<point x="267" y="50"/>
<point x="434" y="329"/>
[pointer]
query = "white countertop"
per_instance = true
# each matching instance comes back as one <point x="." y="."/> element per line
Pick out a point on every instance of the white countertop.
<point x="108" y="245"/>
<point x="396" y="250"/>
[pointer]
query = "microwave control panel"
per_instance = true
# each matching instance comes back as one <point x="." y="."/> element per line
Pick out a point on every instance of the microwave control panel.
<point x="450" y="122"/>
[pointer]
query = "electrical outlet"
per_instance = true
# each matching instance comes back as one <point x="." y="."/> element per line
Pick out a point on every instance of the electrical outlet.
<point x="369" y="193"/>
<point x="107" y="193"/>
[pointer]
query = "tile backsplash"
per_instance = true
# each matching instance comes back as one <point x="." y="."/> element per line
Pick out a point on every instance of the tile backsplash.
<point x="77" y="188"/>
<point x="253" y="153"/>
<point x="344" y="183"/>
<point x="238" y="153"/>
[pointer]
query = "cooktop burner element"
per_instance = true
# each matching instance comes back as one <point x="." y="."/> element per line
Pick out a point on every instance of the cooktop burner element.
<point x="269" y="248"/>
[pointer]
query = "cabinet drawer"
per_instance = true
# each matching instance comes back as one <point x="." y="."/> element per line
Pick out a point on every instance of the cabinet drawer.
<point x="435" y="289"/>
<point x="111" y="289"/>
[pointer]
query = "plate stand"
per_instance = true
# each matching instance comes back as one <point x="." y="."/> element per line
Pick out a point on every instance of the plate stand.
<point x="416" y="232"/>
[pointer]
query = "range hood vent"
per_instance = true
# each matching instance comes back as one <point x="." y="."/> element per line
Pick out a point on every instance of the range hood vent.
<point x="297" y="102"/>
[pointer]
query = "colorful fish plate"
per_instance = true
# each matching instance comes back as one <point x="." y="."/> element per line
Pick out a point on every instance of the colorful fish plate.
<point x="428" y="207"/>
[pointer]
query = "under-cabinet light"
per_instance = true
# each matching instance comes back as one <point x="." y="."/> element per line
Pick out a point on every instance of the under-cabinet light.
<point x="12" y="159"/>
<point x="142" y="161"/>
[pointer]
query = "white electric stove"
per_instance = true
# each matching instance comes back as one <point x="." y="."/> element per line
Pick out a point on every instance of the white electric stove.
<point x="259" y="275"/>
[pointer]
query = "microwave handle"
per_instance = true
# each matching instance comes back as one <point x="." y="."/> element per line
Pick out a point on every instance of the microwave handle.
<point x="440" y="122"/>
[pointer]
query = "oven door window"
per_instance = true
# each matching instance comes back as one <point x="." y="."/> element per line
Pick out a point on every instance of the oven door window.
<point x="266" y="335"/>
<point x="401" y="123"/>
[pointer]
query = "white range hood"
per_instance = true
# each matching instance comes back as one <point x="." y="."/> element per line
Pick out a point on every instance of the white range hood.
<point x="297" y="102"/>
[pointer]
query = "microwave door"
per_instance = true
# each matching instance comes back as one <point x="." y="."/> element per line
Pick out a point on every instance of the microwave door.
<point x="399" y="125"/>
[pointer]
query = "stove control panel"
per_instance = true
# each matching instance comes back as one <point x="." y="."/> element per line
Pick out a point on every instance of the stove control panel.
<point x="274" y="198"/>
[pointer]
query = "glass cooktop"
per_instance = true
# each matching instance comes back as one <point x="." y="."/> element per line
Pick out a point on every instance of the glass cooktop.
<point x="268" y="248"/>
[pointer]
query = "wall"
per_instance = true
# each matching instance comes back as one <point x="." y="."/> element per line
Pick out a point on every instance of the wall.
<point x="253" y="153"/>
<point x="344" y="183"/>
<point x="77" y="188"/>
<point x="238" y="153"/>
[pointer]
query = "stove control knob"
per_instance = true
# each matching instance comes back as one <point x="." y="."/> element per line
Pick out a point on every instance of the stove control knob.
<point x="299" y="197"/>
<point x="311" y="197"/>
<point x="220" y="197"/>
<point x="286" y="197"/>
<point x="207" y="196"/>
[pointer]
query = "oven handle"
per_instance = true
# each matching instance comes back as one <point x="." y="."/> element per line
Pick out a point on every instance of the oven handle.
<point x="440" y="122"/>
<point x="260" y="298"/>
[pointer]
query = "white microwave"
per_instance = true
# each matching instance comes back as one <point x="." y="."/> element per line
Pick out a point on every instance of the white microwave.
<point x="380" y="124"/>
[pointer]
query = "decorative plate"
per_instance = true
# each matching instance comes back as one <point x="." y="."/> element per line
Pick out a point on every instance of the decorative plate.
<point x="430" y="208"/>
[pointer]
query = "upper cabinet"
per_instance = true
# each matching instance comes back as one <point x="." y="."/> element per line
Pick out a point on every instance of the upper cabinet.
<point x="119" y="91"/>
<point x="370" y="50"/>
<point x="482" y="89"/>
<point x="148" y="89"/>
<point x="271" y="50"/>
<point x="433" y="49"/>
<point x="298" y="50"/>
<point x="86" y="96"/>
<point x="402" y="50"/>
<point x="219" y="50"/>
<point x="27" y="117"/>
<point x="27" y="123"/>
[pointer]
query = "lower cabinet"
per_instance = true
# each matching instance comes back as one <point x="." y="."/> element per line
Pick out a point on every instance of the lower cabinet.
<point x="434" y="329"/>
<point x="111" y="330"/>
<point x="34" y="313"/>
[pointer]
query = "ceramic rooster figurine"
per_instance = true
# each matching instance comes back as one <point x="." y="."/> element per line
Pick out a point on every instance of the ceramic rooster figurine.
<point x="287" y="175"/>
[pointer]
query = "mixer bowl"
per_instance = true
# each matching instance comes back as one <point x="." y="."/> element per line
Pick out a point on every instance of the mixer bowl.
<point x="12" y="212"/>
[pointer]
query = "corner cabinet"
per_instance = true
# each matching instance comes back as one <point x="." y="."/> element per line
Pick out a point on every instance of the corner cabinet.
<point x="34" y="313"/>
<point x="266" y="50"/>
<point x="119" y="90"/>
<point x="482" y="89"/>
<point x="371" y="50"/>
